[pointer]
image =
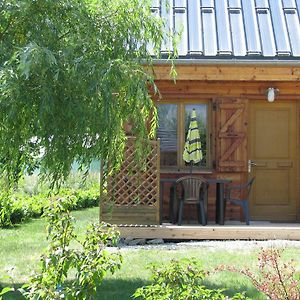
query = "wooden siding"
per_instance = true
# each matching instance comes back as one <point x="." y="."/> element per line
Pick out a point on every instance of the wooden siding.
<point x="230" y="153"/>
<point x="229" y="89"/>
<point x="232" y="72"/>
<point x="189" y="89"/>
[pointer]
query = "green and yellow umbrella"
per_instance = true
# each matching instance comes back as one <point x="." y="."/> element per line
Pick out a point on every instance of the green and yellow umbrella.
<point x="192" y="149"/>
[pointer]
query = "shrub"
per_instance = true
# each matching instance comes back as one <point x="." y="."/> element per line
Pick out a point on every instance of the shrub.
<point x="180" y="280"/>
<point x="275" y="278"/>
<point x="6" y="209"/>
<point x="16" y="208"/>
<point x="72" y="269"/>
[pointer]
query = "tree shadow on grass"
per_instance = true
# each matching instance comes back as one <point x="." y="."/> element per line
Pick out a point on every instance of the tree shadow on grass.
<point x="230" y="290"/>
<point x="119" y="289"/>
<point x="16" y="295"/>
<point x="13" y="227"/>
<point x="110" y="289"/>
<point x="18" y="224"/>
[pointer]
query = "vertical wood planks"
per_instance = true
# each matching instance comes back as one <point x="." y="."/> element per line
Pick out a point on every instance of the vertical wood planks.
<point x="231" y="135"/>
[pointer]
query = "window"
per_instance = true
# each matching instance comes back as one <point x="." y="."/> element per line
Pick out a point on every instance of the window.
<point x="168" y="134"/>
<point x="173" y="120"/>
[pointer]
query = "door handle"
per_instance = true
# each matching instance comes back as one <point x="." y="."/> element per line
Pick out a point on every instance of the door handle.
<point x="250" y="164"/>
<point x="261" y="164"/>
<point x="256" y="164"/>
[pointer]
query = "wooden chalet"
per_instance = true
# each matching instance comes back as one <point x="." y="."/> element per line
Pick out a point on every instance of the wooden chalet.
<point x="239" y="68"/>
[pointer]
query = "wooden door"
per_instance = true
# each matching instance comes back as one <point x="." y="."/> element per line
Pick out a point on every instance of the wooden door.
<point x="273" y="157"/>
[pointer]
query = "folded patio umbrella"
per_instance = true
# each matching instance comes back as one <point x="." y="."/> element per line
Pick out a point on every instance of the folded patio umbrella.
<point x="192" y="149"/>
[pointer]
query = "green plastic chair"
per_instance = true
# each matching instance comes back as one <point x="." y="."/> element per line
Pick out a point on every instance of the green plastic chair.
<point x="244" y="190"/>
<point x="193" y="192"/>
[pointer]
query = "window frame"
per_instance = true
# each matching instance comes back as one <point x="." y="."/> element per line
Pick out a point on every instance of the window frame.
<point x="181" y="167"/>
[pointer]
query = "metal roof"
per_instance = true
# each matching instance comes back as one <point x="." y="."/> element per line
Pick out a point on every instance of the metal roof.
<point x="239" y="29"/>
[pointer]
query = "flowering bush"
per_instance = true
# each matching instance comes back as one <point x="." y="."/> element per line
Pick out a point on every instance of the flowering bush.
<point x="275" y="278"/>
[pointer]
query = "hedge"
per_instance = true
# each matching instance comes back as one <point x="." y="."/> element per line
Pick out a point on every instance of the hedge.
<point x="17" y="208"/>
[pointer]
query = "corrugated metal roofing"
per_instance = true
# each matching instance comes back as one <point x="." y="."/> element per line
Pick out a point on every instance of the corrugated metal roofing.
<point x="245" y="29"/>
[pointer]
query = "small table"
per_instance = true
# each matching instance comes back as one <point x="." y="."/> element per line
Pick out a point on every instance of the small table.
<point x="161" y="194"/>
<point x="220" y="205"/>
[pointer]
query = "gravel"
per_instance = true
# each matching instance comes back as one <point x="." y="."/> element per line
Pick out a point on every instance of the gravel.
<point x="216" y="245"/>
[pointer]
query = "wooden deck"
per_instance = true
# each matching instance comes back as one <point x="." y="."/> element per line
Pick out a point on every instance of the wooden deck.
<point x="230" y="231"/>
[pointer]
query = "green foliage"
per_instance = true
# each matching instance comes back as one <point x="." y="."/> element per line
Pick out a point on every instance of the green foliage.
<point x="180" y="280"/>
<point x="5" y="291"/>
<point x="277" y="279"/>
<point x="71" y="268"/>
<point x="33" y="185"/>
<point x="71" y="74"/>
<point x="17" y="208"/>
<point x="5" y="210"/>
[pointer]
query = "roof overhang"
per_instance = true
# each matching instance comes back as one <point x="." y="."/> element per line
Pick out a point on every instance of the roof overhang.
<point x="214" y="61"/>
<point x="233" y="70"/>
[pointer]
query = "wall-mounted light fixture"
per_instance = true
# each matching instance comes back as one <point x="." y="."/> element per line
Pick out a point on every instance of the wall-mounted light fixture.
<point x="271" y="94"/>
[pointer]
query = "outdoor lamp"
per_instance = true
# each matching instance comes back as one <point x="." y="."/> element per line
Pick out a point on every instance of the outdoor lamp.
<point x="271" y="93"/>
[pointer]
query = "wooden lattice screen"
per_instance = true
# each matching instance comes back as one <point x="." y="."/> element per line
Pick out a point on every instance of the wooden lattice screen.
<point x="133" y="193"/>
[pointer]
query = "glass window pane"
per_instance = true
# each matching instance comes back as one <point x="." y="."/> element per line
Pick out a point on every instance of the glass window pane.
<point x="201" y="113"/>
<point x="167" y="132"/>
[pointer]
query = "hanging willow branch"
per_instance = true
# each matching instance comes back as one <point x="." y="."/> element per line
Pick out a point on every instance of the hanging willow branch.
<point x="61" y="66"/>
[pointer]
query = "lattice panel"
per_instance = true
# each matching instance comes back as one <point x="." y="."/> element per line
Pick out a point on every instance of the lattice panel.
<point x="132" y="186"/>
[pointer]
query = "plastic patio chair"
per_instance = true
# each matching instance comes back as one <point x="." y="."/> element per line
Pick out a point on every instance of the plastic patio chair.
<point x="193" y="192"/>
<point x="243" y="200"/>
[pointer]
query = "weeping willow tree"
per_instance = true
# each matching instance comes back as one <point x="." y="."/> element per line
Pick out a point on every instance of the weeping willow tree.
<point x="71" y="75"/>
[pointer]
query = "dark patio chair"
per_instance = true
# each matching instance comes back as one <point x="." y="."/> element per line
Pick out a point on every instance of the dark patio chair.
<point x="193" y="191"/>
<point x="242" y="200"/>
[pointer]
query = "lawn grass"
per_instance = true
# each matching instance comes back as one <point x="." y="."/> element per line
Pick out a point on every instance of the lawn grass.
<point x="22" y="246"/>
<point x="134" y="272"/>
